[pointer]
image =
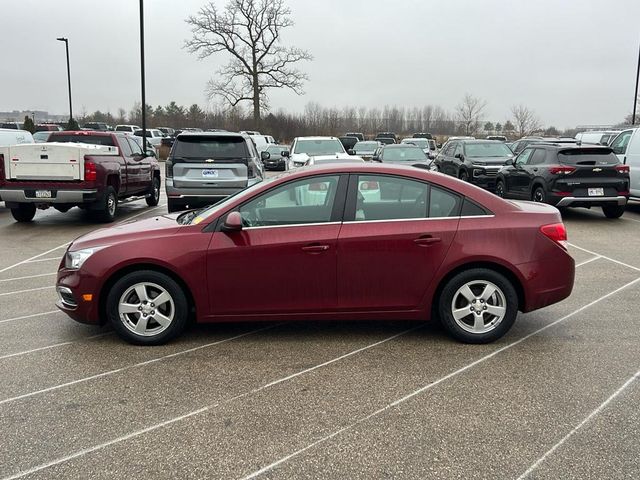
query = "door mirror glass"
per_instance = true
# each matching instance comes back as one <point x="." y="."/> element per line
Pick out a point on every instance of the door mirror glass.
<point x="265" y="155"/>
<point x="459" y="156"/>
<point x="285" y="153"/>
<point x="351" y="151"/>
<point x="151" y="153"/>
<point x="509" y="162"/>
<point x="233" y="222"/>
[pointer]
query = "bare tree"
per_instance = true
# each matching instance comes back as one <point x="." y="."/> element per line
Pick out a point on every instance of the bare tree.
<point x="525" y="120"/>
<point x="249" y="31"/>
<point x="470" y="112"/>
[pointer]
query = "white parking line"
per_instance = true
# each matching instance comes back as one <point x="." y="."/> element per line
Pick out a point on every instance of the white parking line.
<point x="588" y="261"/>
<point x="24" y="317"/>
<point x="637" y="269"/>
<point x="18" y="354"/>
<point x="27" y="277"/>
<point x="27" y="290"/>
<point x="64" y="245"/>
<point x="51" y="259"/>
<point x="579" y="426"/>
<point x="200" y="410"/>
<point x="129" y="367"/>
<point x="431" y="385"/>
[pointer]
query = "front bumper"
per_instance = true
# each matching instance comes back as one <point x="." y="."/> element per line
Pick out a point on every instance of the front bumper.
<point x="591" y="201"/>
<point x="483" y="180"/>
<point x="269" y="164"/>
<point x="72" y="286"/>
<point x="23" y="195"/>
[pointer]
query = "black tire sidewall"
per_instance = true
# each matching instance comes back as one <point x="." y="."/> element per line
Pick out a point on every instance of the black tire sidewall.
<point x="613" y="211"/>
<point x="452" y="286"/>
<point x="500" y="183"/>
<point x="179" y="300"/>
<point x="153" y="200"/>
<point x="25" y="212"/>
<point x="544" y="194"/>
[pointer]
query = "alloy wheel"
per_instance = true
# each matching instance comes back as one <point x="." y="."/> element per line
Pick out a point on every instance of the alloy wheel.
<point x="146" y="309"/>
<point x="478" y="306"/>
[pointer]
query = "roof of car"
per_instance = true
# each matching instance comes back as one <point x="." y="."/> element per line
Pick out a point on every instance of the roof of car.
<point x="316" y="138"/>
<point x="188" y="133"/>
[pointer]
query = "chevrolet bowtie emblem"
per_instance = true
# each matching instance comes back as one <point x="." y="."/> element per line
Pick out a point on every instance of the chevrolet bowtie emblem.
<point x="209" y="160"/>
<point x="597" y="169"/>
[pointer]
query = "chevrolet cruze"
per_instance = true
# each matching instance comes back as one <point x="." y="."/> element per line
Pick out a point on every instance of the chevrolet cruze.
<point x="340" y="242"/>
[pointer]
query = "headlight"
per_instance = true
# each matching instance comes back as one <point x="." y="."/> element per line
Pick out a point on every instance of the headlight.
<point x="75" y="260"/>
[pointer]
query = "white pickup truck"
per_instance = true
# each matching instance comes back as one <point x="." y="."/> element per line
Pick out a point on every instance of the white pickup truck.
<point x="92" y="170"/>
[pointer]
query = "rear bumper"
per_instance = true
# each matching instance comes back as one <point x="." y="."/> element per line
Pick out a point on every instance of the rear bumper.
<point x="58" y="196"/>
<point x="547" y="281"/>
<point x="590" y="201"/>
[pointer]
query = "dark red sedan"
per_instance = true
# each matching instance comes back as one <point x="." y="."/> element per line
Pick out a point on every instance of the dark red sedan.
<point x="351" y="241"/>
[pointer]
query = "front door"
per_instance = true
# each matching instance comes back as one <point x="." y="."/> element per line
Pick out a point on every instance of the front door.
<point x="518" y="179"/>
<point x="396" y="234"/>
<point x="284" y="259"/>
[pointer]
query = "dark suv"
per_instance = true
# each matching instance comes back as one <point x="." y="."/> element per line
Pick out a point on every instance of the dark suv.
<point x="475" y="161"/>
<point x="567" y="176"/>
<point x="205" y="167"/>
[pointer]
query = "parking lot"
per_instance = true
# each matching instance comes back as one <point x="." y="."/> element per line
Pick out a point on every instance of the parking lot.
<point x="555" y="398"/>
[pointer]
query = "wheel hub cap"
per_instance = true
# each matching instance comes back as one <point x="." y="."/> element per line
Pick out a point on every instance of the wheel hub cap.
<point x="478" y="306"/>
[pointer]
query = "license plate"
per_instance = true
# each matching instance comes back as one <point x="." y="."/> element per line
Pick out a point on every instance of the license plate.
<point x="43" y="193"/>
<point x="595" y="192"/>
<point x="210" y="173"/>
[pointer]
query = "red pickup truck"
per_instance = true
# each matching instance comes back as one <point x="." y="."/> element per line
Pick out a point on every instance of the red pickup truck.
<point x="86" y="169"/>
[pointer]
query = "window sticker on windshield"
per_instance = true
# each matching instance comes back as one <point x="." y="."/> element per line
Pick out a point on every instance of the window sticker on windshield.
<point x="196" y="220"/>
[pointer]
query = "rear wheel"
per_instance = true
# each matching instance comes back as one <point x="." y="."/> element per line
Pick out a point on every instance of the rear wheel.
<point x="109" y="206"/>
<point x="24" y="212"/>
<point x="613" y="211"/>
<point x="154" y="196"/>
<point x="478" y="306"/>
<point x="147" y="308"/>
<point x="500" y="189"/>
<point x="539" y="195"/>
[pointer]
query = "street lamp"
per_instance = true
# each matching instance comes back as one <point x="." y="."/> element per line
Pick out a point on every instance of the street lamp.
<point x="635" y="97"/>
<point x="144" y="100"/>
<point x="66" y="44"/>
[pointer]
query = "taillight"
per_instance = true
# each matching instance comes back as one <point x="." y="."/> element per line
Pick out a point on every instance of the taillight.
<point x="369" y="185"/>
<point x="168" y="168"/>
<point x="556" y="232"/>
<point x="561" y="170"/>
<point x="622" y="168"/>
<point x="90" y="172"/>
<point x="318" y="187"/>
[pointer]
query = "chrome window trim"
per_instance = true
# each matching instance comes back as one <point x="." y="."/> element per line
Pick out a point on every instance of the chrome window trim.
<point x="292" y="225"/>
<point x="419" y="219"/>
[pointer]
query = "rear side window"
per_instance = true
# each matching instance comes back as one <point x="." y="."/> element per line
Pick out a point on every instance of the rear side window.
<point x="472" y="209"/>
<point x="538" y="157"/>
<point x="90" y="139"/>
<point x="587" y="156"/>
<point x="443" y="203"/>
<point x="203" y="147"/>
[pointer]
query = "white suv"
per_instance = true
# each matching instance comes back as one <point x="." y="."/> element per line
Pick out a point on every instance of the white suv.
<point x="318" y="148"/>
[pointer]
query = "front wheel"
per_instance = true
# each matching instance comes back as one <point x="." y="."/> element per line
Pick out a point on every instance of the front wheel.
<point x="24" y="212"/>
<point x="147" y="308"/>
<point x="464" y="176"/>
<point x="154" y="196"/>
<point x="613" y="211"/>
<point x="500" y="189"/>
<point x="478" y="306"/>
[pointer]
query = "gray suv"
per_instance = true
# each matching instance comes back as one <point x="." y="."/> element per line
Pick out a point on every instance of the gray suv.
<point x="206" y="167"/>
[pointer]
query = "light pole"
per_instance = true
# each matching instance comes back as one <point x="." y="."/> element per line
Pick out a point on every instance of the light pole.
<point x="66" y="44"/>
<point x="144" y="100"/>
<point x="635" y="97"/>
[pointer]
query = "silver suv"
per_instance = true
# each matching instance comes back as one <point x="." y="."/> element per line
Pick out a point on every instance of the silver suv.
<point x="205" y="167"/>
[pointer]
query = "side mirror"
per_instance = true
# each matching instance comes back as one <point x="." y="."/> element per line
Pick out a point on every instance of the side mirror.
<point x="285" y="153"/>
<point x="459" y="156"/>
<point x="439" y="145"/>
<point x="509" y="162"/>
<point x="150" y="153"/>
<point x="351" y="151"/>
<point x="233" y="222"/>
<point x="376" y="158"/>
<point x="265" y="155"/>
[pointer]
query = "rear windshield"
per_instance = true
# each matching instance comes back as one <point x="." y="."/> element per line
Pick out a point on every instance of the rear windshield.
<point x="319" y="147"/>
<point x="365" y="146"/>
<point x="588" y="156"/>
<point x="202" y="147"/>
<point x="123" y="128"/>
<point x="419" y="142"/>
<point x="105" y="140"/>
<point x="487" y="150"/>
<point x="409" y="154"/>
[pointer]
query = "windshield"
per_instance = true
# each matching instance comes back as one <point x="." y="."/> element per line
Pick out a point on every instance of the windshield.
<point x="404" y="154"/>
<point x="488" y="149"/>
<point x="203" y="147"/>
<point x="319" y="147"/>
<point x="276" y="149"/>
<point x="90" y="139"/>
<point x="365" y="146"/>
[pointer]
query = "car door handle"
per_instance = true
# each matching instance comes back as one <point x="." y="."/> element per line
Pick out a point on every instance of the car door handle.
<point x="426" y="240"/>
<point x="535" y="169"/>
<point x="315" y="248"/>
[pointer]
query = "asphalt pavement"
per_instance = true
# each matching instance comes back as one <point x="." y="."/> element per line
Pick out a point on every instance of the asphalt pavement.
<point x="557" y="397"/>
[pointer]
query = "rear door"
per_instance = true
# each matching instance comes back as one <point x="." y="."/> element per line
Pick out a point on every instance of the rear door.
<point x="395" y="236"/>
<point x="533" y="168"/>
<point x="201" y="161"/>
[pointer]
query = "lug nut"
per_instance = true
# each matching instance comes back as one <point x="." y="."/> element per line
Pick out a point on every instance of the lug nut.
<point x="153" y="304"/>
<point x="153" y="312"/>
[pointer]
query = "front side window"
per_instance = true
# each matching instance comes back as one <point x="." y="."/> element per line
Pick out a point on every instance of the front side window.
<point x="136" y="147"/>
<point x="620" y="143"/>
<point x="523" y="158"/>
<point x="305" y="201"/>
<point x="458" y="150"/>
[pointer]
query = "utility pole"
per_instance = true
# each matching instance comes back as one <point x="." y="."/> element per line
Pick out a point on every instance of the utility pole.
<point x="635" y="97"/>
<point x="66" y="44"/>
<point x="144" y="100"/>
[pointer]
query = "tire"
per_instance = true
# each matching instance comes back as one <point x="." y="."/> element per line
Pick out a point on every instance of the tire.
<point x="140" y="323"/>
<point x="539" y="195"/>
<point x="464" y="176"/>
<point x="173" y="206"/>
<point x="613" y="211"/>
<point x="108" y="208"/>
<point x="24" y="212"/>
<point x="154" y="197"/>
<point x="500" y="189"/>
<point x="474" y="327"/>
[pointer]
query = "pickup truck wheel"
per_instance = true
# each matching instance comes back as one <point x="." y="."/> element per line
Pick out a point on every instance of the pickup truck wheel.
<point x="24" y="212"/>
<point x="147" y="308"/>
<point x="154" y="197"/>
<point x="613" y="211"/>
<point x="173" y="206"/>
<point x="109" y="207"/>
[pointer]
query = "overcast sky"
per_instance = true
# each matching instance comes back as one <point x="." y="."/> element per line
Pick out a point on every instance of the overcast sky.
<point x="572" y="61"/>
